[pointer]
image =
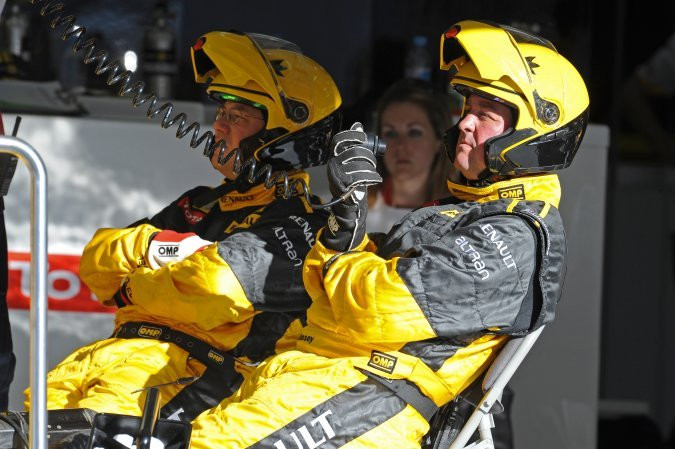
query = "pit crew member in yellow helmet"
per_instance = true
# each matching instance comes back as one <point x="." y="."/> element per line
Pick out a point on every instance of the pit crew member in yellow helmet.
<point x="400" y="326"/>
<point x="212" y="284"/>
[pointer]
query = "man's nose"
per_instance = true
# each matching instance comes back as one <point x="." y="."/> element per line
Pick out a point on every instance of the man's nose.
<point x="467" y="123"/>
<point x="221" y="125"/>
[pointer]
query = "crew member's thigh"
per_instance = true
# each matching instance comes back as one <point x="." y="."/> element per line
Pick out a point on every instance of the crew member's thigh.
<point x="302" y="401"/>
<point x="106" y="375"/>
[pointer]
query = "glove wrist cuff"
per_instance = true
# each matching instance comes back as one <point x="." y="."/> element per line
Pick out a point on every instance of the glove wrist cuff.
<point x="343" y="234"/>
<point x="120" y="297"/>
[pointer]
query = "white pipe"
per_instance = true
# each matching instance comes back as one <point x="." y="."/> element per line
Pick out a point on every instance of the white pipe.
<point x="37" y="425"/>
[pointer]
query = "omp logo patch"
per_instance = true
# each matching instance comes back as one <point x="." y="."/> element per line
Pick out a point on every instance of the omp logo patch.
<point x="450" y="213"/>
<point x="218" y="358"/>
<point x="167" y="250"/>
<point x="516" y="192"/>
<point x="383" y="362"/>
<point x="150" y="332"/>
<point x="333" y="225"/>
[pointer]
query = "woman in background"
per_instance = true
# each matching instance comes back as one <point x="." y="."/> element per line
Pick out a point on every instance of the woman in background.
<point x="411" y="117"/>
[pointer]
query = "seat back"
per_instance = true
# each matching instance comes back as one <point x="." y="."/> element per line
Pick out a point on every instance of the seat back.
<point x="451" y="429"/>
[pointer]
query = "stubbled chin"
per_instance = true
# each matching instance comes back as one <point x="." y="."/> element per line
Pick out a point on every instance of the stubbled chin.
<point x="461" y="160"/>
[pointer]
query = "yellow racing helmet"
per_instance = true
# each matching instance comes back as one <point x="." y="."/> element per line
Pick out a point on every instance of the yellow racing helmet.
<point x="525" y="72"/>
<point x="298" y="98"/>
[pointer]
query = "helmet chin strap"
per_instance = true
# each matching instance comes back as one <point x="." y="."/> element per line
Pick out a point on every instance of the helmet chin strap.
<point x="250" y="144"/>
<point x="487" y="176"/>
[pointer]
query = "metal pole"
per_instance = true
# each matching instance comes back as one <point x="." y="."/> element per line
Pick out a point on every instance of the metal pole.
<point x="37" y="426"/>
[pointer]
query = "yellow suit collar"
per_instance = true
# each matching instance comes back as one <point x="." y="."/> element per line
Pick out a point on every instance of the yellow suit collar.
<point x="538" y="188"/>
<point x="259" y="195"/>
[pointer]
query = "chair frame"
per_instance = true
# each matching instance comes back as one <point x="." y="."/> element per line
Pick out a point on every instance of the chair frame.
<point x="498" y="376"/>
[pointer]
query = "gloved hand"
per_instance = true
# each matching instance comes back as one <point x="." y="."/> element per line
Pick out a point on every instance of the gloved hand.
<point x="352" y="165"/>
<point x="170" y="246"/>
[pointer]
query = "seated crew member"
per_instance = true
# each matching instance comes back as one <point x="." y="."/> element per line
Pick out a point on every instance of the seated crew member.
<point x="210" y="315"/>
<point x="400" y="327"/>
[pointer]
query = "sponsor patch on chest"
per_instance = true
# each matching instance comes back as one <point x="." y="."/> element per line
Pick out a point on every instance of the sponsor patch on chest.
<point x="234" y="199"/>
<point x="191" y="215"/>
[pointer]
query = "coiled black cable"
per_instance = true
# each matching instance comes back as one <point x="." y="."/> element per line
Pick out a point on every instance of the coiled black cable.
<point x="118" y="75"/>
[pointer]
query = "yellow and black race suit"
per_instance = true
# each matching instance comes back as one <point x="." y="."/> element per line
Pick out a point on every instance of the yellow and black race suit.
<point x="227" y="307"/>
<point x="424" y="310"/>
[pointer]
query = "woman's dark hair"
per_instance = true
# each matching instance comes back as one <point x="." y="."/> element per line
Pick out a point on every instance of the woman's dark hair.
<point x="438" y="107"/>
<point x="436" y="103"/>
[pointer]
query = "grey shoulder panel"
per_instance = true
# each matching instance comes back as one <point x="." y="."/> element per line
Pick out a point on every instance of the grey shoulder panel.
<point x="267" y="258"/>
<point x="552" y="251"/>
<point x="474" y="277"/>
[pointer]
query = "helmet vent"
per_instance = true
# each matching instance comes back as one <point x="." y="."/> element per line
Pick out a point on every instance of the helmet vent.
<point x="547" y="112"/>
<point x="296" y="111"/>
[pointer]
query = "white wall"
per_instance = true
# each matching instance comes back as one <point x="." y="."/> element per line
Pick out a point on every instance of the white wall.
<point x="556" y="387"/>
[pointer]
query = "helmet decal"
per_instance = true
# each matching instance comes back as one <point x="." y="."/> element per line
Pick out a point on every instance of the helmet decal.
<point x="531" y="64"/>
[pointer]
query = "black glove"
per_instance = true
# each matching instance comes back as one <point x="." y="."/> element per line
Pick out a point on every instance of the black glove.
<point x="351" y="167"/>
